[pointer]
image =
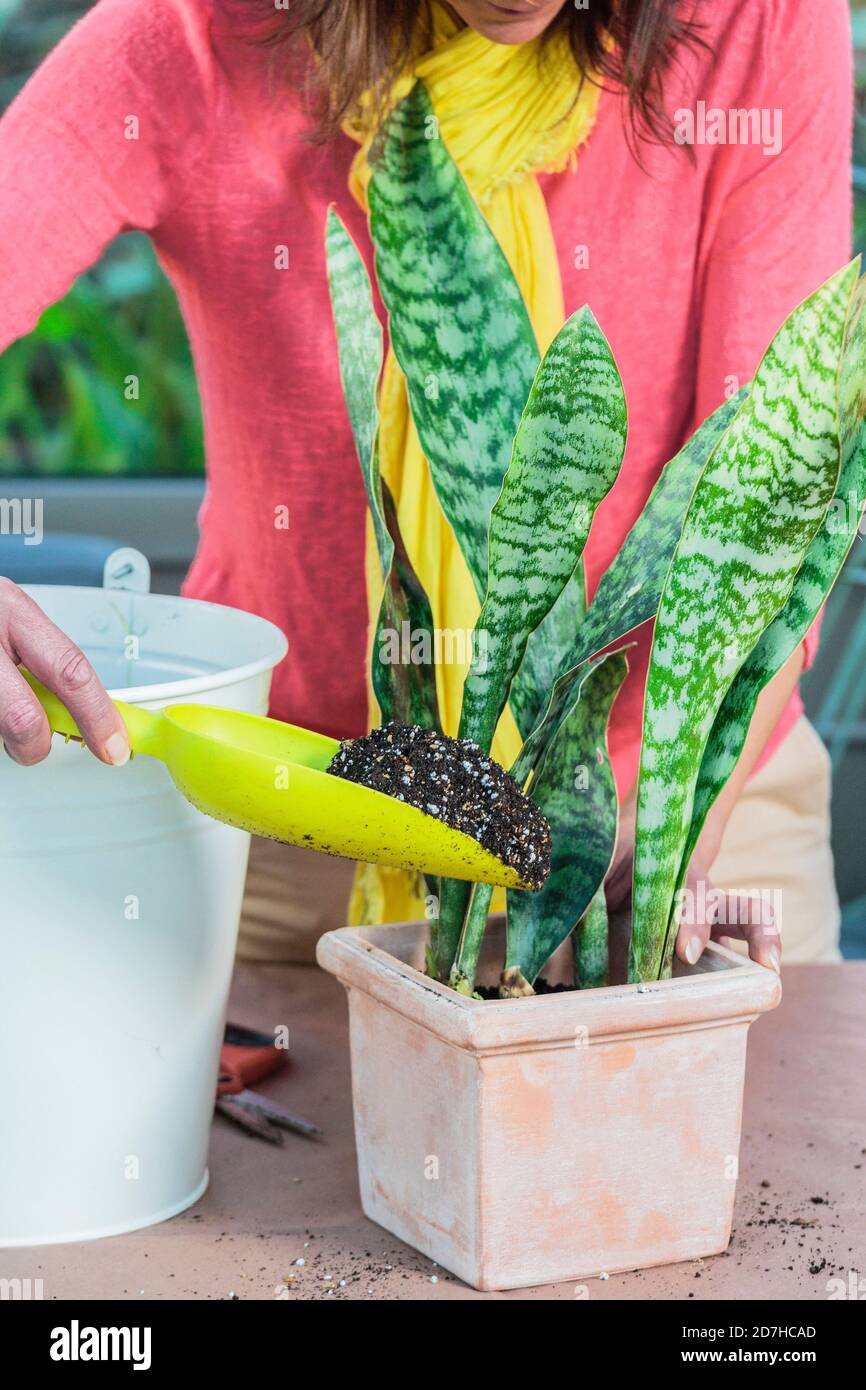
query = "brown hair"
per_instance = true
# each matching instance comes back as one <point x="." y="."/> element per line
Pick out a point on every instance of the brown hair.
<point x="362" y="44"/>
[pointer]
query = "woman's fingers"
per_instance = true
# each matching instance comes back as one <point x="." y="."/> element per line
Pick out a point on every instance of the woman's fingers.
<point x="31" y="639"/>
<point x="710" y="913"/>
<point x="23" y="726"/>
<point x="694" y="930"/>
<point x="751" y="919"/>
<point x="696" y="917"/>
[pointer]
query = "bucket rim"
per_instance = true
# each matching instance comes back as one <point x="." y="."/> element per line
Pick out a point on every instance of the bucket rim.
<point x="175" y="692"/>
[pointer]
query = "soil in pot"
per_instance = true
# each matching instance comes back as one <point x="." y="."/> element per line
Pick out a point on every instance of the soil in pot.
<point x="453" y="780"/>
<point x="541" y="986"/>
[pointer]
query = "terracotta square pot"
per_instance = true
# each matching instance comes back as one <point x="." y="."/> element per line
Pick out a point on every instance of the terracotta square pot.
<point x="526" y="1141"/>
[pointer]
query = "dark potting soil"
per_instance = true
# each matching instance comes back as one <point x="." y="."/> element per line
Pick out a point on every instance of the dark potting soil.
<point x="541" y="986"/>
<point x="453" y="780"/>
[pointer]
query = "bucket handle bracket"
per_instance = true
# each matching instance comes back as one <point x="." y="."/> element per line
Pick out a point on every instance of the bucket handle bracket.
<point x="126" y="568"/>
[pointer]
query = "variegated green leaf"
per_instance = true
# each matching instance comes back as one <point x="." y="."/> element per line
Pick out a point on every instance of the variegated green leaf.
<point x="628" y="595"/>
<point x="403" y="672"/>
<point x="405" y="689"/>
<point x="591" y="945"/>
<point x="567" y="453"/>
<point x="453" y="905"/>
<point x="575" y="789"/>
<point x="359" y="348"/>
<point x="459" y="327"/>
<point x="629" y="590"/>
<point x="462" y="974"/>
<point x="759" y="502"/>
<point x="821" y="567"/>
<point x="464" y="341"/>
<point x="547" y="653"/>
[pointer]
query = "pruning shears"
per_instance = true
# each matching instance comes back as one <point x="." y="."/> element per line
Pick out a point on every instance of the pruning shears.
<point x="248" y="1056"/>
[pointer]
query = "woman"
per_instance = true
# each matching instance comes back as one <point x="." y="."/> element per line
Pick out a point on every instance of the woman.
<point x="174" y="117"/>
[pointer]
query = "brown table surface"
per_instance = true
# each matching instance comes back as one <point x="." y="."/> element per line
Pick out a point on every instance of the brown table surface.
<point x="800" y="1216"/>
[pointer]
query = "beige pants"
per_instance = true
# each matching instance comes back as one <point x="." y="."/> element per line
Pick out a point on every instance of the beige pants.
<point x="776" y="841"/>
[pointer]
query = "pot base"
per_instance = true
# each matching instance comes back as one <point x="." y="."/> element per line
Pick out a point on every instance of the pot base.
<point x="524" y="1142"/>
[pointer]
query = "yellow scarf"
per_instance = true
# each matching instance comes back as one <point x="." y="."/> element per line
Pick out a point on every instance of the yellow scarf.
<point x="503" y="119"/>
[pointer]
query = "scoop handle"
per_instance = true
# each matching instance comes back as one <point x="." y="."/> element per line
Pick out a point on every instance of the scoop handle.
<point x="144" y="726"/>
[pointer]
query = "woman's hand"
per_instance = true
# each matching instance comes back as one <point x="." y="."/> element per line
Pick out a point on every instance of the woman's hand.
<point x="706" y="914"/>
<point x="29" y="638"/>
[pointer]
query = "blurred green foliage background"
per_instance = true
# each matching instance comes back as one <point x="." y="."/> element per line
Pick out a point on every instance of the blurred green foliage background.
<point x="62" y="404"/>
<point x="63" y="408"/>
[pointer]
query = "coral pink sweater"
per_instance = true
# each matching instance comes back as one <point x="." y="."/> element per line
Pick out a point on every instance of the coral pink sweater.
<point x="689" y="268"/>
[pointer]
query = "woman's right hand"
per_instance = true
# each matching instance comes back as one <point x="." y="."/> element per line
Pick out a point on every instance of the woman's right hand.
<point x="29" y="638"/>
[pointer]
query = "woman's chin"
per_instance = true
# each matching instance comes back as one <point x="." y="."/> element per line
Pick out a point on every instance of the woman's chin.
<point x="509" y="31"/>
<point x="501" y="24"/>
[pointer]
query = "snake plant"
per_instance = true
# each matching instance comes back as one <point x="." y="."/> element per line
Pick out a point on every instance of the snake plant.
<point x="730" y="559"/>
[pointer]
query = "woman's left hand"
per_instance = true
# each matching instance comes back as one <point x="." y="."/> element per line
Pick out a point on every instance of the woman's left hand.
<point x="711" y="914"/>
<point x="706" y="913"/>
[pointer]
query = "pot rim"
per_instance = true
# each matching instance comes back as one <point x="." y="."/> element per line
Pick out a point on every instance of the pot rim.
<point x="722" y="989"/>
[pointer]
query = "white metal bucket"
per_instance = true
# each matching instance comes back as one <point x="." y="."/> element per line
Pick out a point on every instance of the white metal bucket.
<point x="119" y="908"/>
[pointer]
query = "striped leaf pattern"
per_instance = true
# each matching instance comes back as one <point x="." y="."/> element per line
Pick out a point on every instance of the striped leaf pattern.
<point x="459" y="327"/>
<point x="404" y="689"/>
<point x="359" y="349"/>
<point x="567" y="454"/>
<point x="591" y="945"/>
<point x="575" y="789"/>
<point x="820" y="569"/>
<point x="629" y="591"/>
<point x="464" y="341"/>
<point x="547" y="653"/>
<point x="757" y="506"/>
<point x="466" y="346"/>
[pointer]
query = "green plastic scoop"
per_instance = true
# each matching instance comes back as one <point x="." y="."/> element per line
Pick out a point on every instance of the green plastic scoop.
<point x="269" y="778"/>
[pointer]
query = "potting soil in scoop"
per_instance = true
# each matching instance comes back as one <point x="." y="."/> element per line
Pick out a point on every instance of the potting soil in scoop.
<point x="451" y="779"/>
